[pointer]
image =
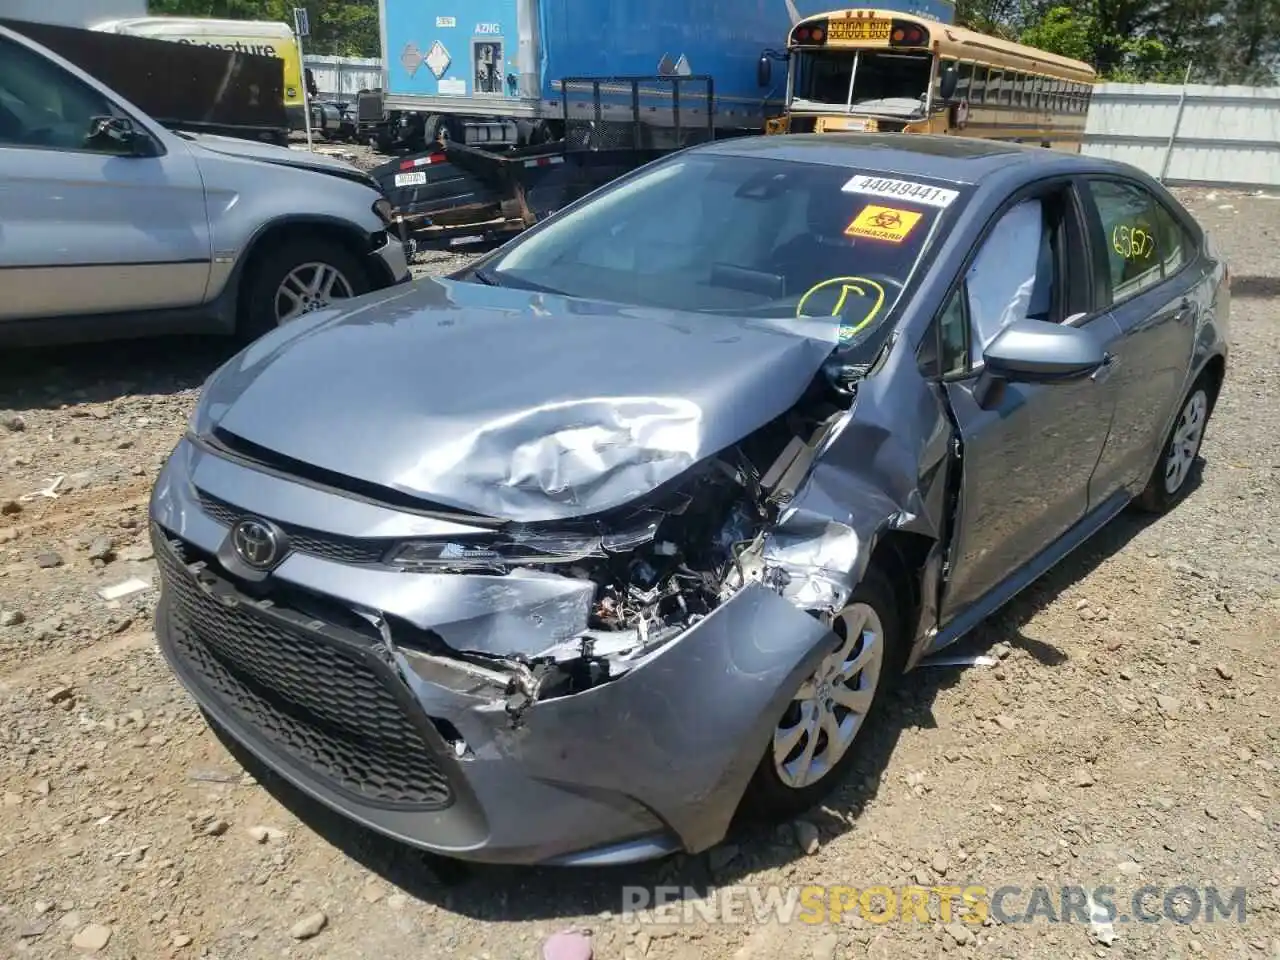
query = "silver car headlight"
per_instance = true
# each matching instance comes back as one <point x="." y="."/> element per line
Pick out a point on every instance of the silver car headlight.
<point x="442" y="555"/>
<point x="498" y="553"/>
<point x="384" y="211"/>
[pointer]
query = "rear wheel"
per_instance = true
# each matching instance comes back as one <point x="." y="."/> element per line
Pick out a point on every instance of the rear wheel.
<point x="1168" y="483"/>
<point x="814" y="742"/>
<point x="302" y="275"/>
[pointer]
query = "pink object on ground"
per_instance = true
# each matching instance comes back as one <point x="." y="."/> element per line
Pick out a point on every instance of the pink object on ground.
<point x="567" y="946"/>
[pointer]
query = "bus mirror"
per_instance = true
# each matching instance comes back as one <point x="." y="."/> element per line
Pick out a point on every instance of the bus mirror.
<point x="312" y="91"/>
<point x="764" y="71"/>
<point x="950" y="79"/>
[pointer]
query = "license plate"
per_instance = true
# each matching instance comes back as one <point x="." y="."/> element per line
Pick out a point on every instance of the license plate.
<point x="858" y="29"/>
<point x="410" y="179"/>
<point x="842" y="124"/>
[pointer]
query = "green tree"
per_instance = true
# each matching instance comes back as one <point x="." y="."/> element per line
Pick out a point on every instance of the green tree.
<point x="1224" y="41"/>
<point x="1067" y="31"/>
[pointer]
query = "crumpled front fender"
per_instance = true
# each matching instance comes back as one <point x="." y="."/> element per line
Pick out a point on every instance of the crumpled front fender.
<point x="695" y="718"/>
<point x="680" y="734"/>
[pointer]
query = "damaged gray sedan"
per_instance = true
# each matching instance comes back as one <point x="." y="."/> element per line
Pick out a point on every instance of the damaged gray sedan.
<point x="569" y="557"/>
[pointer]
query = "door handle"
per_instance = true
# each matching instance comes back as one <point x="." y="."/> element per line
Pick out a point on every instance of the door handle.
<point x="1185" y="309"/>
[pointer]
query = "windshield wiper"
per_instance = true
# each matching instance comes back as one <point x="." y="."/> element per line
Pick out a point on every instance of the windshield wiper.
<point x="514" y="283"/>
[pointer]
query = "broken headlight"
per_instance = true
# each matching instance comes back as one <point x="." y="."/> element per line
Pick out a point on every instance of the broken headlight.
<point x="500" y="553"/>
<point x="493" y="554"/>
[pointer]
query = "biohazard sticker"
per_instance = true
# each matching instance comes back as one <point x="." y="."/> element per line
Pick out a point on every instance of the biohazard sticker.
<point x="883" y="223"/>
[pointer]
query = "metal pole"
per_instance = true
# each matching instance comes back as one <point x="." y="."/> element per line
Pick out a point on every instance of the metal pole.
<point x="306" y="94"/>
<point x="1177" y="122"/>
<point x="853" y="75"/>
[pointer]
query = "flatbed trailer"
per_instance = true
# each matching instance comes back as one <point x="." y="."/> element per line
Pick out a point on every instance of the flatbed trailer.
<point x="454" y="193"/>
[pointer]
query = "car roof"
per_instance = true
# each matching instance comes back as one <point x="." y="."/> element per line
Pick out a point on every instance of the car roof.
<point x="961" y="160"/>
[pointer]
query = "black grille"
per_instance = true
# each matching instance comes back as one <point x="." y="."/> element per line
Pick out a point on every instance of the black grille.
<point x="353" y="550"/>
<point x="317" y="700"/>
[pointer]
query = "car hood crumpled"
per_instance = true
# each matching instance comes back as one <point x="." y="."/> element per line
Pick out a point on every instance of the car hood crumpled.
<point x="510" y="404"/>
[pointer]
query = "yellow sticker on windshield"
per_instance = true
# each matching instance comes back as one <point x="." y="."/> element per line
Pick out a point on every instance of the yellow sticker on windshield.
<point x="883" y="223"/>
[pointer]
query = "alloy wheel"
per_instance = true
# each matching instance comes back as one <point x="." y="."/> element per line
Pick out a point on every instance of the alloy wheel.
<point x="830" y="707"/>
<point x="1185" y="443"/>
<point x="309" y="287"/>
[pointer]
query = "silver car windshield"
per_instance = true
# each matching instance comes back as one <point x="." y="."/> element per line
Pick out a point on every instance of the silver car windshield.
<point x="739" y="235"/>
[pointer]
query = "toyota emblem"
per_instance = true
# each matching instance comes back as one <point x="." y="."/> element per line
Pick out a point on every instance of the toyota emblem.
<point x="256" y="543"/>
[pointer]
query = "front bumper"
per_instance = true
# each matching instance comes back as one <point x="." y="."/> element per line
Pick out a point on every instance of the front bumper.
<point x="390" y="261"/>
<point x="653" y="761"/>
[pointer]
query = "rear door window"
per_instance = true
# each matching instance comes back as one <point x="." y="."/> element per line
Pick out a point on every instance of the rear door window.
<point x="1134" y="236"/>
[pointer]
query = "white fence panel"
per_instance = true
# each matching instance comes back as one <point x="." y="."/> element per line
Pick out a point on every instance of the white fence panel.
<point x="1199" y="135"/>
<point x="341" y="78"/>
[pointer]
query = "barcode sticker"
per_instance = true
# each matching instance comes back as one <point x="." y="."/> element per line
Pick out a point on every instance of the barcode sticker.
<point x="901" y="190"/>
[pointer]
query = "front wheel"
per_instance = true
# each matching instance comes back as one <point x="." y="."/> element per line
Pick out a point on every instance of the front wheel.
<point x="1169" y="481"/>
<point x="300" y="276"/>
<point x="814" y="741"/>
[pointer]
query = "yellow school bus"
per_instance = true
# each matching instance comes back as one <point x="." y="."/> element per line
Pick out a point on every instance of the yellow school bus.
<point x="880" y="70"/>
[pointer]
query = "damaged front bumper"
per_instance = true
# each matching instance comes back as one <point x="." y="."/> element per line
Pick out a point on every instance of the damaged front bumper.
<point x="432" y="750"/>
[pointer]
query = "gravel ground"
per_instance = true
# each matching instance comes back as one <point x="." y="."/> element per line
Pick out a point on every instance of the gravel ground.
<point x="1127" y="734"/>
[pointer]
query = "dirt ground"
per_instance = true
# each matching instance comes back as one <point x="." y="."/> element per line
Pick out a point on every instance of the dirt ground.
<point x="1127" y="732"/>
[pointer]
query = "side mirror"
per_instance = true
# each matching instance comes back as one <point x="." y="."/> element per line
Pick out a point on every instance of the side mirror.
<point x="764" y="71"/>
<point x="1033" y="351"/>
<point x="115" y="134"/>
<point x="312" y="91"/>
<point x="949" y="81"/>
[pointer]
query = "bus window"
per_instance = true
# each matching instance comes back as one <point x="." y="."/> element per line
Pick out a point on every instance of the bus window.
<point x="1007" y="82"/>
<point x="1037" y="98"/>
<point x="1021" y="89"/>
<point x="994" y="81"/>
<point x="1055" y="96"/>
<point x="978" y="85"/>
<point x="963" y="83"/>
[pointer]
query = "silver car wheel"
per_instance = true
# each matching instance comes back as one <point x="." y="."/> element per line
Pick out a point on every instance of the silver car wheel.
<point x="830" y="707"/>
<point x="309" y="287"/>
<point x="1185" y="445"/>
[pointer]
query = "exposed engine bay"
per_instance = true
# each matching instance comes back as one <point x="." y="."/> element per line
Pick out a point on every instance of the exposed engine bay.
<point x="658" y="568"/>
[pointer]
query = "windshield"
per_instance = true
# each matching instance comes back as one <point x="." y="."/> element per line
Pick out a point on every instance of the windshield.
<point x="896" y="81"/>
<point x="738" y="235"/>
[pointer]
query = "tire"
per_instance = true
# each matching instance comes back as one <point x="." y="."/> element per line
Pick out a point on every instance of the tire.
<point x="1168" y="483"/>
<point x="771" y="797"/>
<point x="273" y="266"/>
